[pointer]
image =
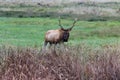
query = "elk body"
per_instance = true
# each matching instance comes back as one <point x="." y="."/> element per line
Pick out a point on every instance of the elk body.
<point x="59" y="35"/>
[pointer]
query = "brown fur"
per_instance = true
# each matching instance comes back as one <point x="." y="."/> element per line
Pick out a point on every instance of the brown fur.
<point x="59" y="35"/>
<point x="54" y="36"/>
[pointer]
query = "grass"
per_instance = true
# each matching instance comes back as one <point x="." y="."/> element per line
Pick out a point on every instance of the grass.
<point x="77" y="63"/>
<point x="91" y="53"/>
<point x="30" y="31"/>
<point x="90" y="11"/>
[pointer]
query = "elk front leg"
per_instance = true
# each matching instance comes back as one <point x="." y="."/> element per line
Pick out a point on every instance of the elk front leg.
<point x="45" y="43"/>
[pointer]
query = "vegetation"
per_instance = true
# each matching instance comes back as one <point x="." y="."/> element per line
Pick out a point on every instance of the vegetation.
<point x="92" y="52"/>
<point x="90" y="11"/>
<point x="79" y="63"/>
<point x="30" y="31"/>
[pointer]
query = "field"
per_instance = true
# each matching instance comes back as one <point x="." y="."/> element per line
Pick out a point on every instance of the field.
<point x="92" y="52"/>
<point x="78" y="63"/>
<point x="31" y="31"/>
<point x="90" y="11"/>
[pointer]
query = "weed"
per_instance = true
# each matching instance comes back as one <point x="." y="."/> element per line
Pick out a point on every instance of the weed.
<point x="31" y="64"/>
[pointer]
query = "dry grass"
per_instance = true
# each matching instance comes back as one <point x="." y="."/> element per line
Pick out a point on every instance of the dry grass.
<point x="79" y="63"/>
<point x="91" y="10"/>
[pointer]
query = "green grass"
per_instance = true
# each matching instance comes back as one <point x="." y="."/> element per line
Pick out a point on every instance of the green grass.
<point x="30" y="31"/>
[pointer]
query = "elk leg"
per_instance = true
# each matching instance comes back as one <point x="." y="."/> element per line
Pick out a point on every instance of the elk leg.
<point x="62" y="45"/>
<point x="55" y="45"/>
<point x="44" y="46"/>
<point x="45" y="43"/>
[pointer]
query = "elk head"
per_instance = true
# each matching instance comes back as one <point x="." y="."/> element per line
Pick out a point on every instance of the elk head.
<point x="65" y="32"/>
<point x="59" y="35"/>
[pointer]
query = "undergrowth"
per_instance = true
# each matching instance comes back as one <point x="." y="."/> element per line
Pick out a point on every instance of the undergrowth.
<point x="72" y="63"/>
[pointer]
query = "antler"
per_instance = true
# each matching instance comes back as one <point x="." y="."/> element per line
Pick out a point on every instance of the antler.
<point x="60" y="23"/>
<point x="73" y="23"/>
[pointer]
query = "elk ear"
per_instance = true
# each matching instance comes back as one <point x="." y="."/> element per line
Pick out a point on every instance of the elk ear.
<point x="62" y="28"/>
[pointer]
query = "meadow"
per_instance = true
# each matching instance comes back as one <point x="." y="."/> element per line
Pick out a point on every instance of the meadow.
<point x="76" y="63"/>
<point x="30" y="31"/>
<point x="92" y="52"/>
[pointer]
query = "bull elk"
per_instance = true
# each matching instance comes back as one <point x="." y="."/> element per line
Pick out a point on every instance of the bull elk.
<point x="58" y="35"/>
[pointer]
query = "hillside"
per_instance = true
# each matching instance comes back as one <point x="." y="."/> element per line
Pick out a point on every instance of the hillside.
<point x="60" y="0"/>
<point x="84" y="10"/>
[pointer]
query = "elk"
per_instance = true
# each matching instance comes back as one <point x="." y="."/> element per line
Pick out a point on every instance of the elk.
<point x="59" y="35"/>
